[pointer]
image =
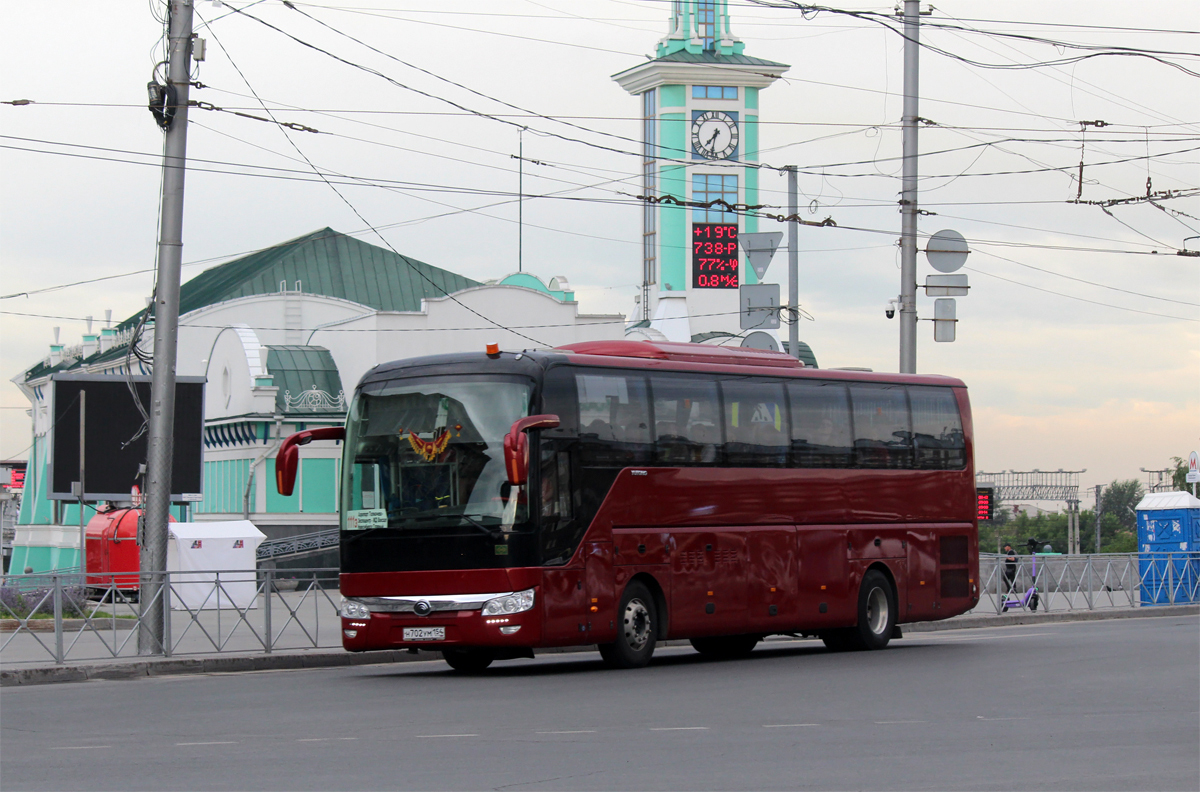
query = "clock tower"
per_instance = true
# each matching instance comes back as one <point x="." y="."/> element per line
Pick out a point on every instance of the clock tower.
<point x="700" y="109"/>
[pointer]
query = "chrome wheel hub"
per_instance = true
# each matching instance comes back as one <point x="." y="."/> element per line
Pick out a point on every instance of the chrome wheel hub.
<point x="877" y="611"/>
<point x="636" y="624"/>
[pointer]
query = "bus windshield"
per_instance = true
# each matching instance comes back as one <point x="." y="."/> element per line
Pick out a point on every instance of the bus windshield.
<point x="428" y="454"/>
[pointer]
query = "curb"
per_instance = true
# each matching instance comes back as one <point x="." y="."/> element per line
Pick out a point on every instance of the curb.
<point x="139" y="669"/>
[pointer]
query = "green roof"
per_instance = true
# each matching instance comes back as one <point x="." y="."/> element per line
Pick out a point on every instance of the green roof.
<point x="710" y="56"/>
<point x="307" y="379"/>
<point x="328" y="263"/>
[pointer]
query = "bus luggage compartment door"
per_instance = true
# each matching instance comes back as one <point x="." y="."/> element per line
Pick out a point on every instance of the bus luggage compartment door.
<point x="708" y="582"/>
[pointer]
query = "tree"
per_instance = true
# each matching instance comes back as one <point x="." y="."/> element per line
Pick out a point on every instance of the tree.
<point x="1179" y="477"/>
<point x="1119" y="499"/>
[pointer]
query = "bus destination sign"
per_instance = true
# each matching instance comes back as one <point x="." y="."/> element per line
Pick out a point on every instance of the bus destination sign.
<point x="714" y="256"/>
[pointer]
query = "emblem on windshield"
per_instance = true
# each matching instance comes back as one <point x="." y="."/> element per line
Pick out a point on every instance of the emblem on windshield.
<point x="422" y="608"/>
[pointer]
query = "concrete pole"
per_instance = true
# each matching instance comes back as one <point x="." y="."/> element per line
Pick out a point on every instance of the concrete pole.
<point x="166" y="336"/>
<point x="793" y="265"/>
<point x="82" y="483"/>
<point x="1098" y="488"/>
<point x="908" y="195"/>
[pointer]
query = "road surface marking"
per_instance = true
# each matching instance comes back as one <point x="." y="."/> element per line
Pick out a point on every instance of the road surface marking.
<point x="785" y="725"/>
<point x="447" y="735"/>
<point x="223" y="742"/>
<point x="680" y="728"/>
<point x="889" y="723"/>
<point x="980" y="717"/>
<point x="580" y="731"/>
<point x="78" y="747"/>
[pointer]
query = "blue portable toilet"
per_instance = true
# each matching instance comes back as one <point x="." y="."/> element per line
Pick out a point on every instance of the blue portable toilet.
<point x="1169" y="547"/>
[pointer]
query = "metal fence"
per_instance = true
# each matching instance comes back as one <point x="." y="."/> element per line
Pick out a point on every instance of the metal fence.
<point x="62" y="616"/>
<point x="1088" y="582"/>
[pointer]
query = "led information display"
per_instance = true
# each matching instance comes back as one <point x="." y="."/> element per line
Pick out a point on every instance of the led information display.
<point x="985" y="497"/>
<point x="714" y="256"/>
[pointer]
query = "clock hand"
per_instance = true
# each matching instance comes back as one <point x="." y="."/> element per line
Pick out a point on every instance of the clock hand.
<point x="713" y="139"/>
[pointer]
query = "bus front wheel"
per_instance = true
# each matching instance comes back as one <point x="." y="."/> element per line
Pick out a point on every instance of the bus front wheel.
<point x="637" y="631"/>
<point x="468" y="661"/>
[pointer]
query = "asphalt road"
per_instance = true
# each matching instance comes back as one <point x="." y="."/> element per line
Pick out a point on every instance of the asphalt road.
<point x="1084" y="705"/>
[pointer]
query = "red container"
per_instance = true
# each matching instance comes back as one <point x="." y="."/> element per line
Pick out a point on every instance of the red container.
<point x="113" y="555"/>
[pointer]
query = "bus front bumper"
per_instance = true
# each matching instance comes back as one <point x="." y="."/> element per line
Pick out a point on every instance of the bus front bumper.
<point x="442" y="621"/>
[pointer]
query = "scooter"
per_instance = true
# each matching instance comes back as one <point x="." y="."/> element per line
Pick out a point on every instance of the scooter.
<point x="1030" y="598"/>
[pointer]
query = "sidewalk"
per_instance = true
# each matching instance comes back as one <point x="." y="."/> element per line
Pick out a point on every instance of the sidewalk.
<point x="127" y="668"/>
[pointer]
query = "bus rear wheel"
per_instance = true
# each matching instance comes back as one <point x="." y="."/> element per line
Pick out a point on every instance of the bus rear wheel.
<point x="726" y="646"/>
<point x="637" y="629"/>
<point x="876" y="618"/>
<point x="468" y="661"/>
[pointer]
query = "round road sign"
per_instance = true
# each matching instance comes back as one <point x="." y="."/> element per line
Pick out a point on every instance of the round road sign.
<point x="946" y="251"/>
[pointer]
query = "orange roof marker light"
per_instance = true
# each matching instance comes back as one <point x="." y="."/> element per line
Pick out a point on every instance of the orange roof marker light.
<point x="493" y="350"/>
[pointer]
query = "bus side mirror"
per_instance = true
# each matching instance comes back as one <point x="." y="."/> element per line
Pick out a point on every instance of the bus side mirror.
<point x="516" y="446"/>
<point x="287" y="461"/>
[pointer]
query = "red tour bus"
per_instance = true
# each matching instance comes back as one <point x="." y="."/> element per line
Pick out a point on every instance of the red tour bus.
<point x="624" y="492"/>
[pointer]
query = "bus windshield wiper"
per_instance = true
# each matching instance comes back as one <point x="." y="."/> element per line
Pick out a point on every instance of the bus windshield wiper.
<point x="481" y="526"/>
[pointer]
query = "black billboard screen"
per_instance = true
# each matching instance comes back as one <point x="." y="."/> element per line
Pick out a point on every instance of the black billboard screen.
<point x="714" y="256"/>
<point x="111" y="420"/>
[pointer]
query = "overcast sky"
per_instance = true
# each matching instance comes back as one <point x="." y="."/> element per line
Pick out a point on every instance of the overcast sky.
<point x="1080" y="340"/>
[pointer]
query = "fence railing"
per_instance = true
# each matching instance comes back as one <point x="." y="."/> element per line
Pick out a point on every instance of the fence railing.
<point x="1088" y="582"/>
<point x="63" y="616"/>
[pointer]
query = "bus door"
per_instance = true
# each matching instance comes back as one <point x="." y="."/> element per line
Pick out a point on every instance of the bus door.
<point x="709" y="571"/>
<point x="599" y="585"/>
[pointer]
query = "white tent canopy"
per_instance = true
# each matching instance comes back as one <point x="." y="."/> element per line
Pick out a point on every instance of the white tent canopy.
<point x="213" y="564"/>
<point x="1162" y="501"/>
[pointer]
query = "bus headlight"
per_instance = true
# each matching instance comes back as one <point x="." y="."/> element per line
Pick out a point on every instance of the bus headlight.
<point x="353" y="609"/>
<point x="509" y="603"/>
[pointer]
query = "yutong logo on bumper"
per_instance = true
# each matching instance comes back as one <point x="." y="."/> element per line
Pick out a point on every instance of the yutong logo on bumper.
<point x="422" y="608"/>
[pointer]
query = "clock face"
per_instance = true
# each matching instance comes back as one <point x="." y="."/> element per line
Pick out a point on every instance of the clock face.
<point x="714" y="135"/>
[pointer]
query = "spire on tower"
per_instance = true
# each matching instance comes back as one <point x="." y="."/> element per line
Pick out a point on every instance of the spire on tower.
<point x="700" y="26"/>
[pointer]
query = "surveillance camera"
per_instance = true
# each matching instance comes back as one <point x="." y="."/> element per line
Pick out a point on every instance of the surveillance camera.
<point x="890" y="312"/>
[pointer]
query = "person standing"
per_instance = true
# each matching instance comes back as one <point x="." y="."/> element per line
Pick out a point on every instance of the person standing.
<point x="1010" y="566"/>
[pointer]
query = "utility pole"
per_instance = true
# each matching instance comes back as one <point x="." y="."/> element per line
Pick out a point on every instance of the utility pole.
<point x="793" y="265"/>
<point x="1098" y="488"/>
<point x="521" y="200"/>
<point x="908" y="195"/>
<point x="160" y="441"/>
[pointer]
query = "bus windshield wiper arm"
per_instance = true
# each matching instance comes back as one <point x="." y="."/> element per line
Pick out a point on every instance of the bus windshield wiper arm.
<point x="481" y="526"/>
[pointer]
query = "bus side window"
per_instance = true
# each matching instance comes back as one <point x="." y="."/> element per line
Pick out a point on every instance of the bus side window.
<point x="614" y="422"/>
<point x="822" y="435"/>
<point x="556" y="482"/>
<point x="756" y="431"/>
<point x="687" y="429"/>
<point x="882" y="437"/>
<point x="937" y="429"/>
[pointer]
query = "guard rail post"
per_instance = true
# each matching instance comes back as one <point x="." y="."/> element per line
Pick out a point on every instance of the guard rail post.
<point x="165" y="588"/>
<point x="58" y="620"/>
<point x="1088" y="571"/>
<point x="268" y="587"/>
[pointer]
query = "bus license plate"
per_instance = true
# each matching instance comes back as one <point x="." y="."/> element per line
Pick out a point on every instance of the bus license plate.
<point x="424" y="633"/>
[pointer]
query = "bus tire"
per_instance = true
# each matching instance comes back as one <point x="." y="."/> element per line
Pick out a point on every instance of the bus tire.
<point x="837" y="640"/>
<point x="637" y="629"/>
<point x="468" y="661"/>
<point x="725" y="647"/>
<point x="876" y="612"/>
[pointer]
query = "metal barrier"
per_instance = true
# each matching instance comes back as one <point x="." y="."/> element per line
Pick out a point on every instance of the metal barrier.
<point x="1090" y="582"/>
<point x="61" y="616"/>
<point x="304" y="544"/>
